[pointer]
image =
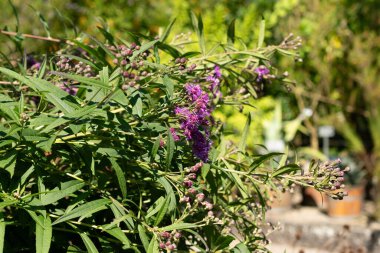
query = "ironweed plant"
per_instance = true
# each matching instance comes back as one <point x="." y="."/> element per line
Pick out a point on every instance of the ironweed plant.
<point x="111" y="146"/>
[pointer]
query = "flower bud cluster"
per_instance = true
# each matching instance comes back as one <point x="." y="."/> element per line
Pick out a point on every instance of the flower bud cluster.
<point x="65" y="64"/>
<point x="168" y="241"/>
<point x="329" y="176"/>
<point x="192" y="195"/>
<point x="131" y="62"/>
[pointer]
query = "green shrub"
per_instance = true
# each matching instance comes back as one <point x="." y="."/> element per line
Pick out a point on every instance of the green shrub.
<point x="111" y="145"/>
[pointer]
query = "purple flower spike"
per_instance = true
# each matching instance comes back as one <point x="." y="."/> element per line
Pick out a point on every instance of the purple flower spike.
<point x="215" y="82"/>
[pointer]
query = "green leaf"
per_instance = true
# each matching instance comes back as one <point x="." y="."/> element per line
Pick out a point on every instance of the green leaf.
<point x="43" y="234"/>
<point x="58" y="193"/>
<point x="53" y="93"/>
<point x="8" y="162"/>
<point x="198" y="27"/>
<point x="7" y="203"/>
<point x="204" y="170"/>
<point x="153" y="245"/>
<point x="179" y="225"/>
<point x="170" y="146"/>
<point x="169" y="191"/>
<point x="84" y="210"/>
<point x="104" y="76"/>
<point x="223" y="242"/>
<point x="85" y="80"/>
<point x="165" y="35"/>
<point x="231" y="32"/>
<point x="2" y="232"/>
<point x="137" y="105"/>
<point x="169" y="86"/>
<point x="243" y="139"/>
<point x="90" y="246"/>
<point x="286" y="170"/>
<point x="261" y="33"/>
<point x="120" y="235"/>
<point x="155" y="147"/>
<point x="162" y="212"/>
<point x="120" y="177"/>
<point x="143" y="237"/>
<point x="261" y="159"/>
<point x="241" y="248"/>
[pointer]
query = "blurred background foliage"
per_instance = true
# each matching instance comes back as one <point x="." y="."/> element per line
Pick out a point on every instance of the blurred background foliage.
<point x="338" y="79"/>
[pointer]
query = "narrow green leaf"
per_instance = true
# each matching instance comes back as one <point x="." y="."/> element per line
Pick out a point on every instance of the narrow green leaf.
<point x="169" y="86"/>
<point x="84" y="210"/>
<point x="155" y="147"/>
<point x="180" y="225"/>
<point x="143" y="237"/>
<point x="162" y="212"/>
<point x="231" y="32"/>
<point x="90" y="246"/>
<point x="153" y="245"/>
<point x="261" y="33"/>
<point x="243" y="139"/>
<point x="223" y="242"/>
<point x="286" y="169"/>
<point x="7" y="203"/>
<point x="241" y="248"/>
<point x="198" y="27"/>
<point x="2" y="232"/>
<point x="84" y="80"/>
<point x="166" y="33"/>
<point x="120" y="177"/>
<point x="170" y="146"/>
<point x="8" y="162"/>
<point x="120" y="235"/>
<point x="169" y="191"/>
<point x="21" y="103"/>
<point x="58" y="193"/>
<point x="261" y="159"/>
<point x="137" y="105"/>
<point x="43" y="234"/>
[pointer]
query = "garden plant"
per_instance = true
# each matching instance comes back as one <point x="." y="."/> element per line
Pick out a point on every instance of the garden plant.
<point x="110" y="145"/>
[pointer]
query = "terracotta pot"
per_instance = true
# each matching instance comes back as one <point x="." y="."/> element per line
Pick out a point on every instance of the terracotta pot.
<point x="349" y="206"/>
<point x="319" y="198"/>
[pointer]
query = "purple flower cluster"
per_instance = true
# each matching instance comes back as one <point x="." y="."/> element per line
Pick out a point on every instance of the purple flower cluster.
<point x="214" y="79"/>
<point x="195" y="120"/>
<point x="262" y="73"/>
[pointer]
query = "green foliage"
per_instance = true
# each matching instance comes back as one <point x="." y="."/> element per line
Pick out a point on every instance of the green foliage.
<point x="96" y="157"/>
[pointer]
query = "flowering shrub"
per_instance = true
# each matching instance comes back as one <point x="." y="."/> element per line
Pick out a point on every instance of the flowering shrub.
<point x="111" y="146"/>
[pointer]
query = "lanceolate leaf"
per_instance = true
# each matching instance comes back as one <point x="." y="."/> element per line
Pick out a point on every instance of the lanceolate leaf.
<point x="170" y="146"/>
<point x="120" y="235"/>
<point x="90" y="246"/>
<point x="43" y="234"/>
<point x="286" y="169"/>
<point x="261" y="33"/>
<point x="153" y="245"/>
<point x="231" y="32"/>
<point x="2" y="232"/>
<point x="120" y="177"/>
<point x="166" y="33"/>
<point x="84" y="210"/>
